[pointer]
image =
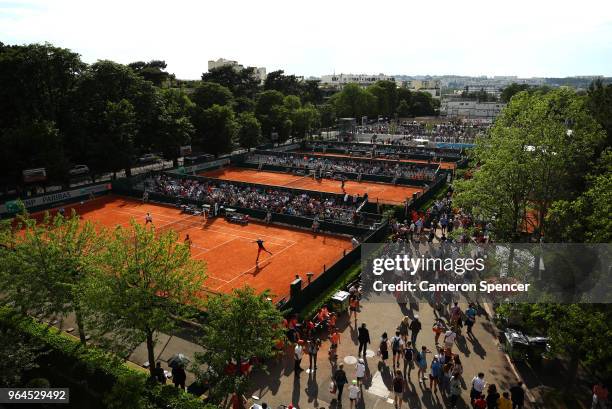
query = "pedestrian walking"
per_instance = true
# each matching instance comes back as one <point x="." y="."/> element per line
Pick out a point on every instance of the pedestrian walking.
<point x="360" y="371"/>
<point x="422" y="363"/>
<point x="404" y="328"/>
<point x="435" y="374"/>
<point x="478" y="385"/>
<point x="340" y="380"/>
<point x="354" y="393"/>
<point x="455" y="391"/>
<point x="363" y="336"/>
<point x="409" y="357"/>
<point x="297" y="355"/>
<point x="313" y="350"/>
<point x="517" y="395"/>
<point x="179" y="376"/>
<point x="398" y="389"/>
<point x="397" y="345"/>
<point x="415" y="327"/>
<point x="492" y="397"/>
<point x="504" y="401"/>
<point x="383" y="348"/>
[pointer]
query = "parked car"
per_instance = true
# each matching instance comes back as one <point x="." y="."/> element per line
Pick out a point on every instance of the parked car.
<point x="149" y="158"/>
<point x="34" y="175"/>
<point x="77" y="170"/>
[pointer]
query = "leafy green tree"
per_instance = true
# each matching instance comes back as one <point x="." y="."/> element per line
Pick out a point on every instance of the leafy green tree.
<point x="328" y="115"/>
<point x="19" y="356"/>
<point x="120" y="121"/>
<point x="242" y="83"/>
<point x="239" y="326"/>
<point x="215" y="128"/>
<point x="249" y="131"/>
<point x="285" y="84"/>
<point x="304" y="120"/>
<point x="208" y="94"/>
<point x="145" y="283"/>
<point x="512" y="89"/>
<point x="423" y="104"/>
<point x="244" y="104"/>
<point x="271" y="112"/>
<point x="36" y="82"/>
<point x="386" y="97"/>
<point x="291" y="102"/>
<point x="311" y="92"/>
<point x="174" y="128"/>
<point x="49" y="262"/>
<point x="153" y="71"/>
<point x="403" y="109"/>
<point x="354" y="102"/>
<point x="530" y="160"/>
<point x="599" y="102"/>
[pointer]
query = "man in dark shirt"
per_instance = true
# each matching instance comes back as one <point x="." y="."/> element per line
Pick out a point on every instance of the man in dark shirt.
<point x="415" y="327"/>
<point x="340" y="380"/>
<point x="363" y="335"/>
<point x="517" y="394"/>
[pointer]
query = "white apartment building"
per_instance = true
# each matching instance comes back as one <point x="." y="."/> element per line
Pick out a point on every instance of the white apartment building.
<point x="430" y="86"/>
<point x="260" y="72"/>
<point x="470" y="109"/>
<point x="340" y="80"/>
<point x="489" y="89"/>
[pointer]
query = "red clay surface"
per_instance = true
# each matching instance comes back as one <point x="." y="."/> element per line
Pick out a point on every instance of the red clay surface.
<point x="443" y="165"/>
<point x="385" y="193"/>
<point x="229" y="249"/>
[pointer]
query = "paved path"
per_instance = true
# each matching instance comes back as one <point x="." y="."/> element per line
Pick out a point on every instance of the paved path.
<point x="311" y="390"/>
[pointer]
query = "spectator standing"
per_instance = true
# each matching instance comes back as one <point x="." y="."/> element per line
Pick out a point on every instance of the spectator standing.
<point x="478" y="385"/>
<point x="517" y="394"/>
<point x="159" y="374"/>
<point x="313" y="349"/>
<point x="504" y="401"/>
<point x="179" y="376"/>
<point x="492" y="397"/>
<point x="363" y="336"/>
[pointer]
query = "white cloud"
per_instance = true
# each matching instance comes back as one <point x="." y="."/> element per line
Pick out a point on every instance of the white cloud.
<point x="316" y="37"/>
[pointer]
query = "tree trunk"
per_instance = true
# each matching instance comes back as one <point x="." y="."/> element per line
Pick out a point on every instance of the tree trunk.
<point x="151" y="352"/>
<point x="572" y="372"/>
<point x="79" y="321"/>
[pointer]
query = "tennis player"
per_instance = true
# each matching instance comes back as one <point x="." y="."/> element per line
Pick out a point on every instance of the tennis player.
<point x="148" y="219"/>
<point x="260" y="248"/>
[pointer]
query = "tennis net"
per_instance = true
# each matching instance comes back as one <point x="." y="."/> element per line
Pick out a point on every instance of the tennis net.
<point x="180" y="225"/>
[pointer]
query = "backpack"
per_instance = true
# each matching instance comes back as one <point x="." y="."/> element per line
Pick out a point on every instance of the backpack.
<point x="396" y="344"/>
<point x="383" y="345"/>
<point x="408" y="354"/>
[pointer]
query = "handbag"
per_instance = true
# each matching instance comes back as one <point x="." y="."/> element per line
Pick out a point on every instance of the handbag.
<point x="332" y="387"/>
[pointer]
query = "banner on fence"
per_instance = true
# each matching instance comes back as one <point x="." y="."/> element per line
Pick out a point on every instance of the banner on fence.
<point x="12" y="206"/>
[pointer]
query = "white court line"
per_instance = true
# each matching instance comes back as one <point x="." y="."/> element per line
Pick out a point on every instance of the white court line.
<point x="247" y="237"/>
<point x="269" y="258"/>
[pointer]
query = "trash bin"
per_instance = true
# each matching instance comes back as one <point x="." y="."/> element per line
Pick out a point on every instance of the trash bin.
<point x="516" y="344"/>
<point x="339" y="302"/>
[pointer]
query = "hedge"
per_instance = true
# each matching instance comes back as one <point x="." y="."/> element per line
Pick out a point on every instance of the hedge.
<point x="92" y="370"/>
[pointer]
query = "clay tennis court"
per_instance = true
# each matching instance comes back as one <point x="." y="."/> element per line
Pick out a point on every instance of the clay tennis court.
<point x="385" y="193"/>
<point x="443" y="165"/>
<point x="229" y="249"/>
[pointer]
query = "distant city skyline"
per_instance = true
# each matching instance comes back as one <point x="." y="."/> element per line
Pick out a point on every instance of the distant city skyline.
<point x="520" y="38"/>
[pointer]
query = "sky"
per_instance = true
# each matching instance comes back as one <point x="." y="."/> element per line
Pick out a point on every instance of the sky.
<point x="526" y="38"/>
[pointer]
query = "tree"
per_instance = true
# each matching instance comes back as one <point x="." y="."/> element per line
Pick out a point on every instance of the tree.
<point x="311" y="92"/>
<point x="271" y="112"/>
<point x="304" y="120"/>
<point x="249" y="130"/>
<point x="242" y="83"/>
<point x="599" y="102"/>
<point x="403" y="109"/>
<point x="174" y="128"/>
<point x="328" y="115"/>
<point x="354" y="102"/>
<point x="253" y="326"/>
<point x="285" y="84"/>
<point x="19" y="354"/>
<point x="386" y="97"/>
<point x="151" y="71"/>
<point x="512" y="89"/>
<point x="208" y="94"/>
<point x="215" y="128"/>
<point x="530" y="160"/>
<point x="291" y="102"/>
<point x="120" y="124"/>
<point x="49" y="262"/>
<point x="145" y="283"/>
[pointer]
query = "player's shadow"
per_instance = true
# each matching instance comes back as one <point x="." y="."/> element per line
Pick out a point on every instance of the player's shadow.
<point x="260" y="267"/>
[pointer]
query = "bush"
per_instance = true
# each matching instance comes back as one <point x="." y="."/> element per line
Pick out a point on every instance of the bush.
<point x="103" y="376"/>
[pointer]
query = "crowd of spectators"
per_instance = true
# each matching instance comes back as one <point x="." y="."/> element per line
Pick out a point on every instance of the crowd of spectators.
<point x="230" y="194"/>
<point x="393" y="147"/>
<point x="363" y="167"/>
<point x="442" y="132"/>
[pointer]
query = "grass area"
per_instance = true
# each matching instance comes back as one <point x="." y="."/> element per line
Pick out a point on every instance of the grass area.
<point x="349" y="275"/>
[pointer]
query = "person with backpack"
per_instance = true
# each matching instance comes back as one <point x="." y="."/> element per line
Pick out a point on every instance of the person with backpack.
<point x="398" y="389"/>
<point x="383" y="348"/>
<point x="435" y="375"/>
<point x="404" y="328"/>
<point x="409" y="356"/>
<point x="397" y="345"/>
<point x="470" y="318"/>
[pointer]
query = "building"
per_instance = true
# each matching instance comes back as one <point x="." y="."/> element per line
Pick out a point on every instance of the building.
<point x="260" y="72"/>
<point x="432" y="87"/>
<point x="470" y="109"/>
<point x="489" y="89"/>
<point x="338" y="81"/>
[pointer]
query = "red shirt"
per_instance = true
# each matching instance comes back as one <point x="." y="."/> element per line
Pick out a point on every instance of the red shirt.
<point x="480" y="404"/>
